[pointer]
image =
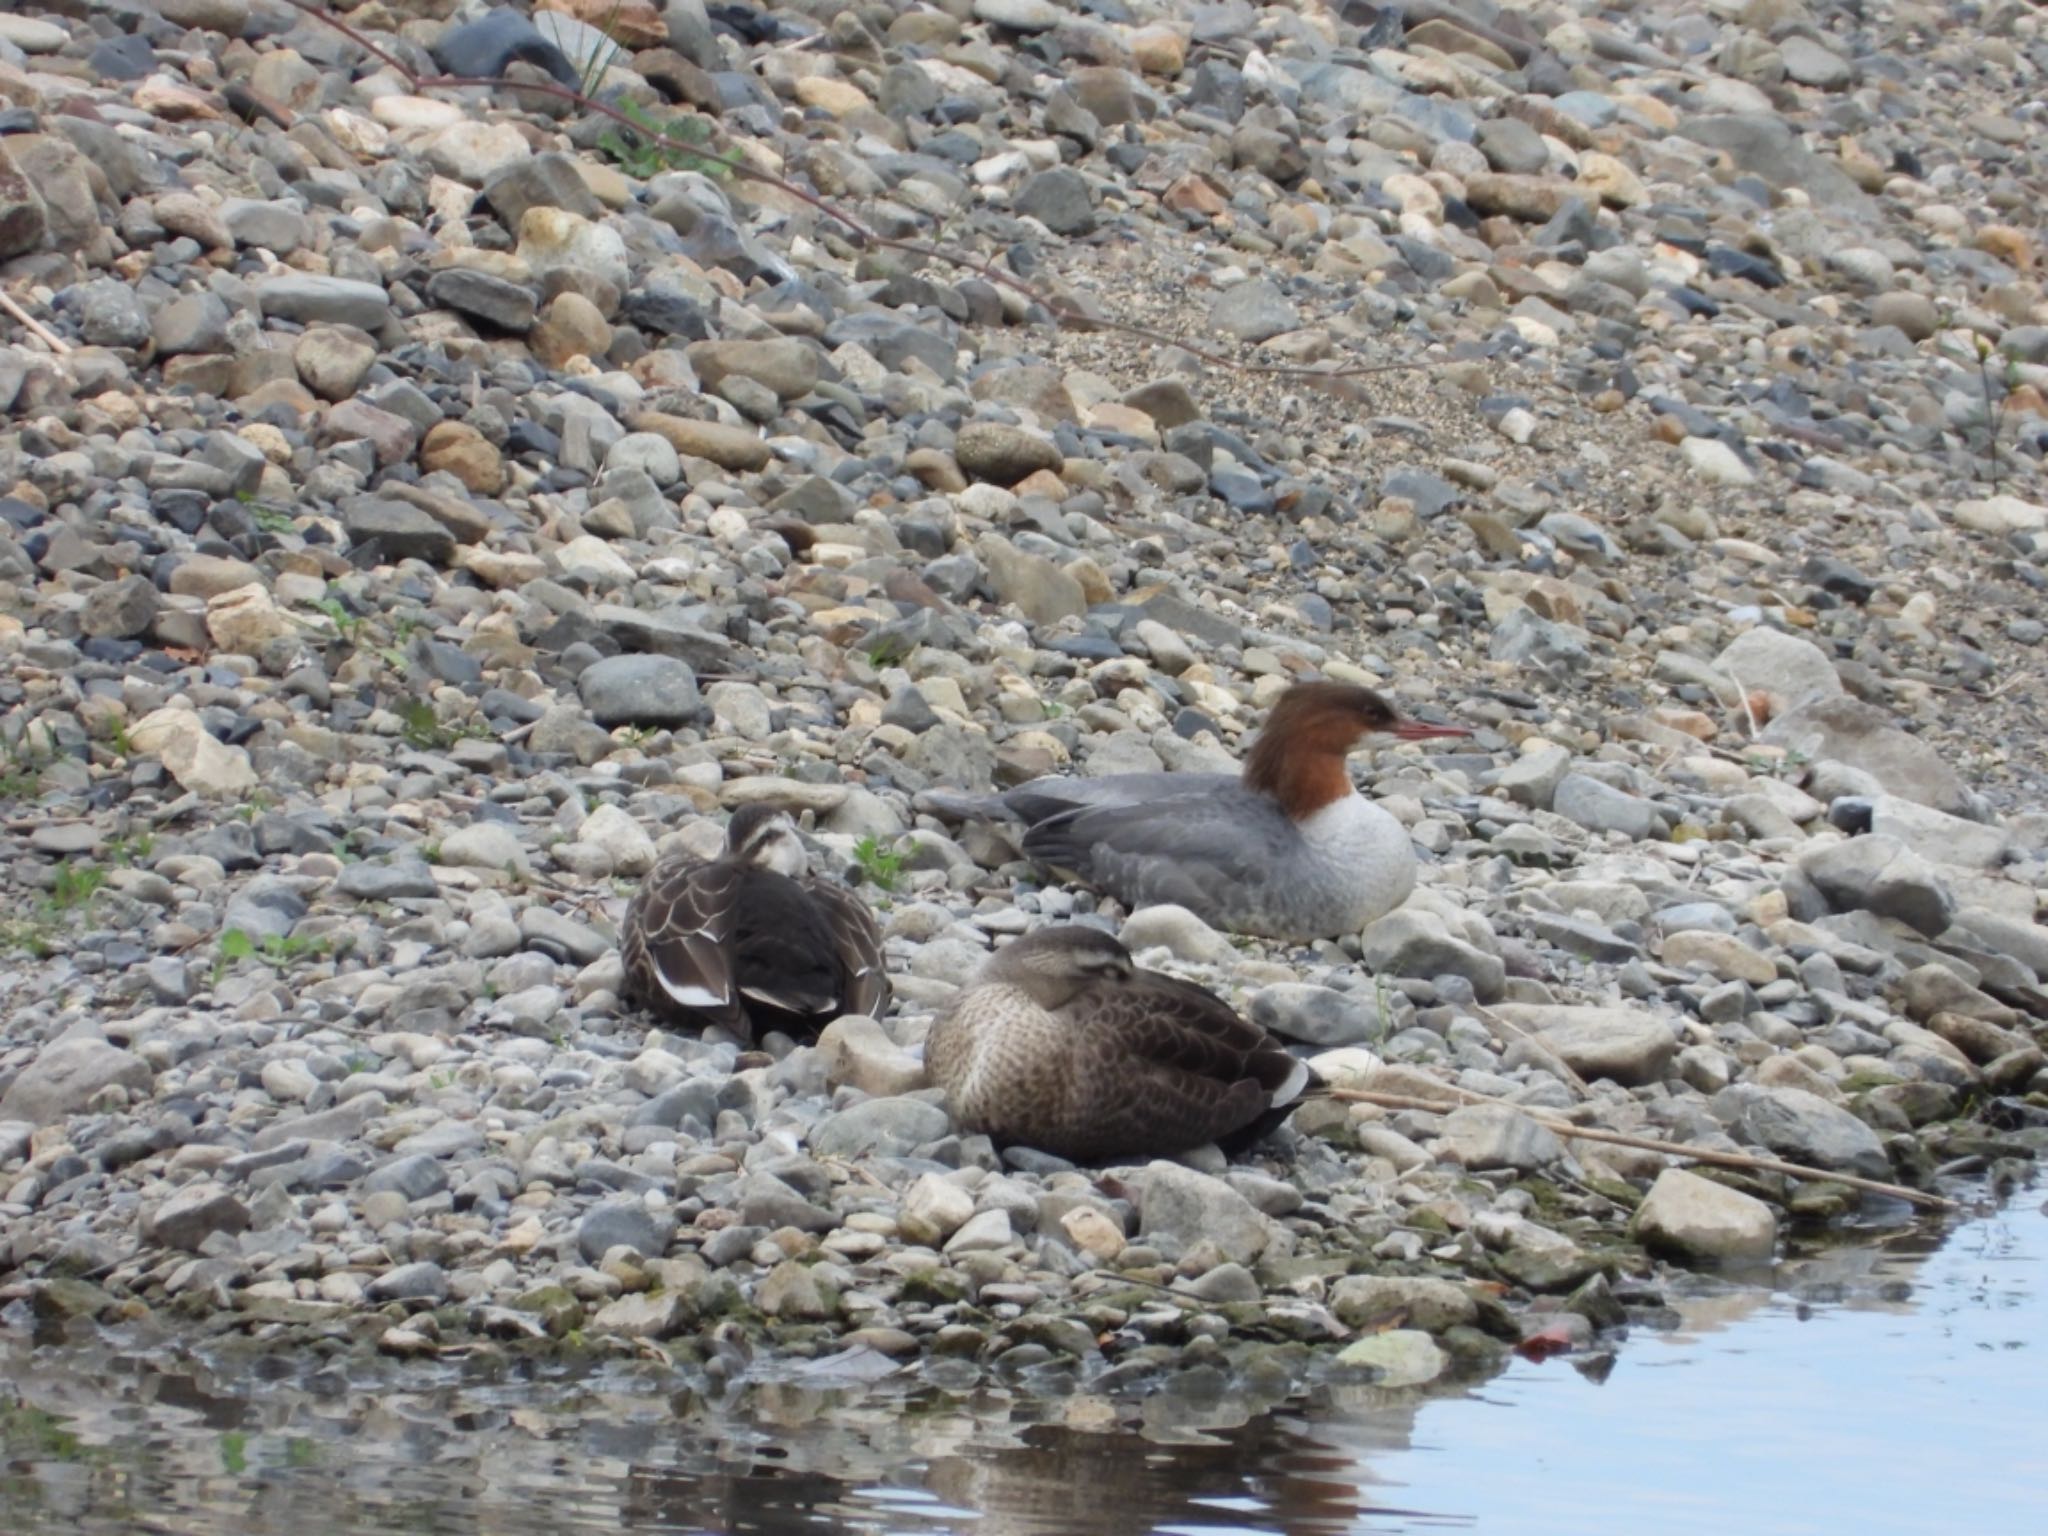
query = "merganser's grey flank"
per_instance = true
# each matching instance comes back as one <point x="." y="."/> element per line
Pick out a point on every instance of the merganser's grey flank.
<point x="1287" y="850"/>
<point x="752" y="941"/>
<point x="1062" y="1043"/>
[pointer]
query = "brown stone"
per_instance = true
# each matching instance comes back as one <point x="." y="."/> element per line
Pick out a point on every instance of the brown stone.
<point x="727" y="447"/>
<point x="570" y="326"/>
<point x="465" y="453"/>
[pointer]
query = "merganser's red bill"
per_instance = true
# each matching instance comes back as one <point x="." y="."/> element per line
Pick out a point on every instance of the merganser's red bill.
<point x="1426" y="730"/>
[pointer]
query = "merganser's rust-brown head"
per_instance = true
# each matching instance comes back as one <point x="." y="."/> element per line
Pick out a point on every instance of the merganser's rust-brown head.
<point x="1310" y="730"/>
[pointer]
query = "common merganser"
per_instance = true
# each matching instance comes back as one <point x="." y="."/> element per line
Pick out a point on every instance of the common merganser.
<point x="1062" y="1043"/>
<point x="1287" y="850"/>
<point x="752" y="941"/>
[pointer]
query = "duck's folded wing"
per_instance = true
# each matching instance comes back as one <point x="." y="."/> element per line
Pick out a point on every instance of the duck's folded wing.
<point x="1182" y="850"/>
<point x="1166" y="1112"/>
<point x="858" y="939"/>
<point x="1175" y="1024"/>
<point x="675" y="938"/>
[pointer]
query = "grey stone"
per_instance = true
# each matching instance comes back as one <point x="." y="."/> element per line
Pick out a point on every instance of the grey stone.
<point x="1803" y="1127"/>
<point x="507" y="305"/>
<point x="399" y="530"/>
<point x="640" y="690"/>
<point x="120" y="610"/>
<point x="421" y="1281"/>
<point x="110" y="314"/>
<point x="765" y="1203"/>
<point x="1881" y="875"/>
<point x="1059" y="199"/>
<point x="1623" y="1044"/>
<point x="1181" y="1208"/>
<point x="308" y="298"/>
<point x="1767" y="146"/>
<point x="1791" y="670"/>
<point x="1862" y="737"/>
<point x="1481" y="1136"/>
<point x="1411" y="942"/>
<point x="1368" y="1301"/>
<point x="399" y="880"/>
<point x="1807" y="62"/>
<point x="1319" y="1015"/>
<point x="1696" y="1218"/>
<point x="548" y="180"/>
<point x="191" y="323"/>
<point x="64" y="1076"/>
<point x="1600" y="807"/>
<point x="1532" y="778"/>
<point x="415" y="1177"/>
<point x="890" y="1127"/>
<point x="1254" y="311"/>
<point x="1525" y="639"/>
<point x="193" y="1214"/>
<point x="622" y="1224"/>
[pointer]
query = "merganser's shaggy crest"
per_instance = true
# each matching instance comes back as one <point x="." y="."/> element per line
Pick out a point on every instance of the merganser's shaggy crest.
<point x="751" y="941"/>
<point x="1288" y="850"/>
<point x="1062" y="1043"/>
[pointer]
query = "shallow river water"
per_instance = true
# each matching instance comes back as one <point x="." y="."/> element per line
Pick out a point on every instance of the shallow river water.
<point x="1895" y="1386"/>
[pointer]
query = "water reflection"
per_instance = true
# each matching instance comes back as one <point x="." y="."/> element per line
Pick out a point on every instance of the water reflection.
<point x="1878" y="1388"/>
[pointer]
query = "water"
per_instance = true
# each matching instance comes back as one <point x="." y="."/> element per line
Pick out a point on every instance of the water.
<point x="1894" y="1388"/>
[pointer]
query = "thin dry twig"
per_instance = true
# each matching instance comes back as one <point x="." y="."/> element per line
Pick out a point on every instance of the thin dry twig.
<point x="1062" y="313"/>
<point x="1683" y="1149"/>
<point x="35" y="327"/>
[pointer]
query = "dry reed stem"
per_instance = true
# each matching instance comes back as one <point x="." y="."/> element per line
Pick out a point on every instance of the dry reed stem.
<point x="1683" y="1149"/>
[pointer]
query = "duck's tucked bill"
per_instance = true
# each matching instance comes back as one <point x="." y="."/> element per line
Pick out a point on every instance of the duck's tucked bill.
<point x="751" y="941"/>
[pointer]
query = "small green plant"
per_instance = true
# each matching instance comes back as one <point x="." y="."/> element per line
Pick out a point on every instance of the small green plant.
<point x="74" y="885"/>
<point x="21" y="769"/>
<point x="270" y="518"/>
<point x="29" y="936"/>
<point x="590" y="74"/>
<point x="664" y="146"/>
<point x="276" y="950"/>
<point x="884" y="649"/>
<point x="1995" y="403"/>
<point x="115" y="735"/>
<point x="881" y="866"/>
<point x="345" y="623"/>
<point x="422" y="728"/>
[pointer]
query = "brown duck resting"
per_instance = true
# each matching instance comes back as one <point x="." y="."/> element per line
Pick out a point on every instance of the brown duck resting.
<point x="751" y="941"/>
<point x="1062" y="1043"/>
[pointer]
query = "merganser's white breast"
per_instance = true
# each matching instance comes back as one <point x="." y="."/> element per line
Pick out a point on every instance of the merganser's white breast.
<point x="1361" y="855"/>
